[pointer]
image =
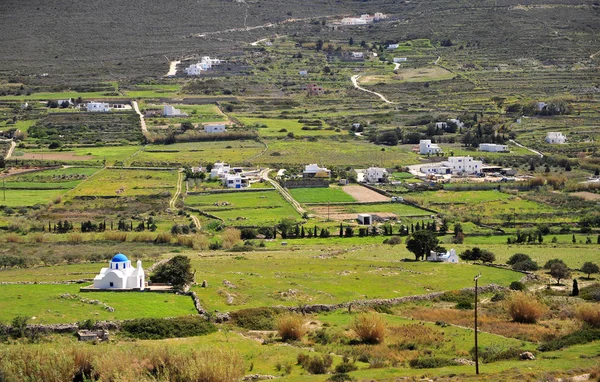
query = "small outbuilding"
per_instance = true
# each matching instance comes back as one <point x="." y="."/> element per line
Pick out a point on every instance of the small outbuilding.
<point x="121" y="275"/>
<point x="365" y="219"/>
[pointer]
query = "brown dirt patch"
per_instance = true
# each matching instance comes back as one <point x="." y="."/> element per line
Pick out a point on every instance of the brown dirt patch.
<point x="363" y="194"/>
<point x="55" y="156"/>
<point x="586" y="195"/>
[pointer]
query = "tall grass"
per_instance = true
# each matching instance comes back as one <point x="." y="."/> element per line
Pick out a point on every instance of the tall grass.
<point x="231" y="237"/>
<point x="142" y="237"/>
<point x="115" y="236"/>
<point x="369" y="327"/>
<point x="76" y="362"/>
<point x="164" y="238"/>
<point x="291" y="327"/>
<point x="524" y="308"/>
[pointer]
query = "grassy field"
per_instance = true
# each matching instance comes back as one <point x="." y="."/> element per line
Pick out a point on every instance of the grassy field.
<point x="44" y="302"/>
<point x="411" y="75"/>
<point x="264" y="208"/>
<point x="331" y="194"/>
<point x="328" y="276"/>
<point x="274" y="127"/>
<point x="113" y="182"/>
<point x="23" y="198"/>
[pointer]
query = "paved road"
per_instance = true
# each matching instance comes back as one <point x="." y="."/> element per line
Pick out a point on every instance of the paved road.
<point x="264" y="174"/>
<point x="356" y="85"/>
<point x="142" y="120"/>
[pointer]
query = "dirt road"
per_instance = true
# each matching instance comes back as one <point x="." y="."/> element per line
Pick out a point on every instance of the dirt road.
<point x="264" y="174"/>
<point x="354" y="80"/>
<point x="177" y="192"/>
<point x="10" y="151"/>
<point x="142" y="120"/>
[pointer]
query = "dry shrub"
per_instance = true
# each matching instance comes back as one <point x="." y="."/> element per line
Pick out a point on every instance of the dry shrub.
<point x="142" y="237"/>
<point x="524" y="308"/>
<point x="75" y="238"/>
<point x="115" y="236"/>
<point x="38" y="238"/>
<point x="413" y="336"/>
<point x="369" y="327"/>
<point x="163" y="238"/>
<point x="57" y="199"/>
<point x="13" y="238"/>
<point x="590" y="314"/>
<point x="231" y="237"/>
<point x="186" y="241"/>
<point x="201" y="242"/>
<point x="291" y="327"/>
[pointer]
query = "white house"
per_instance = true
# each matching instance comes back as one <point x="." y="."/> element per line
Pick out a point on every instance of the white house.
<point x="393" y="46"/>
<point x="376" y="175"/>
<point x="170" y="111"/>
<point x="457" y="122"/>
<point x="219" y="170"/>
<point x="454" y="165"/>
<point x="235" y="181"/>
<point x="214" y="128"/>
<point x="313" y="170"/>
<point x="441" y="125"/>
<point x="492" y="147"/>
<point x="379" y="16"/>
<point x="556" y="138"/>
<point x="303" y="72"/>
<point x="358" y="55"/>
<point x="353" y="21"/>
<point x="426" y="147"/>
<point x="205" y="64"/>
<point x="121" y="275"/>
<point x="399" y="59"/>
<point x="365" y="219"/>
<point x="448" y="257"/>
<point x="98" y="107"/>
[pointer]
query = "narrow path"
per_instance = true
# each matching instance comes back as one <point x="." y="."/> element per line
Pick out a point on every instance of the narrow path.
<point x="438" y="60"/>
<point x="172" y="68"/>
<point x="396" y="66"/>
<point x="255" y="43"/>
<point x="142" y="120"/>
<point x="11" y="149"/>
<point x="264" y="174"/>
<point x="177" y="192"/>
<point x="356" y="85"/>
<point x="196" y="221"/>
<point x="527" y="148"/>
<point x="260" y="153"/>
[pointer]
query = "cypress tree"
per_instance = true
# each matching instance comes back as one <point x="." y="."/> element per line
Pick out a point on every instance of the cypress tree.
<point x="575" y="288"/>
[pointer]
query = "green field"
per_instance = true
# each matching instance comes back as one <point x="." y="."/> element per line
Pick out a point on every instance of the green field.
<point x="313" y="276"/>
<point x="332" y="194"/>
<point x="273" y="127"/>
<point x="264" y="208"/>
<point x="114" y="182"/>
<point x="44" y="302"/>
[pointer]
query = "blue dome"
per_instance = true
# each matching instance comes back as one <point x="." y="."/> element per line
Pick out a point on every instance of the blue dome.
<point x="119" y="258"/>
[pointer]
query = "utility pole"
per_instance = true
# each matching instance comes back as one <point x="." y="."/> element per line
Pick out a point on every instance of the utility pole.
<point x="476" y="349"/>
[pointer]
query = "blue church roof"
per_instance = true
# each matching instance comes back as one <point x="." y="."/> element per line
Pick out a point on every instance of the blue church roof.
<point x="119" y="258"/>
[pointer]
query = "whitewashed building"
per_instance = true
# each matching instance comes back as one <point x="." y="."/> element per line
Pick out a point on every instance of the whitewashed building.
<point x="235" y="181"/>
<point x="170" y="111"/>
<point x="426" y="147"/>
<point x="353" y="21"/>
<point x="365" y="219"/>
<point x="492" y="147"/>
<point x="214" y="128"/>
<point x="376" y="175"/>
<point x="98" y="107"/>
<point x="448" y="257"/>
<point x="121" y="275"/>
<point x="556" y="138"/>
<point x="400" y="59"/>
<point x="205" y="64"/>
<point x="219" y="170"/>
<point x="314" y="171"/>
<point x="393" y="46"/>
<point x="454" y="165"/>
<point x="358" y="55"/>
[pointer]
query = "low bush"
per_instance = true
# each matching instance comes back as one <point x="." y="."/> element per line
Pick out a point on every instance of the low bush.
<point x="517" y="285"/>
<point x="291" y="327"/>
<point x="590" y="292"/>
<point x="458" y="296"/>
<point x="369" y="327"/>
<point x="159" y="328"/>
<point x="590" y="314"/>
<point x="583" y="336"/>
<point x="340" y="377"/>
<point x="524" y="308"/>
<point x="394" y="240"/>
<point x="496" y="353"/>
<point x="431" y="362"/>
<point x="317" y="364"/>
<point x="345" y="367"/>
<point x="464" y="305"/>
<point x="255" y="318"/>
<point x="526" y="265"/>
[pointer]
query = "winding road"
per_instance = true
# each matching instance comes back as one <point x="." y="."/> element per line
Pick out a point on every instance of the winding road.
<point x="11" y="149"/>
<point x="177" y="192"/>
<point x="527" y="148"/>
<point x="355" y="78"/>
<point x="264" y="174"/>
<point x="172" y="68"/>
<point x="142" y="120"/>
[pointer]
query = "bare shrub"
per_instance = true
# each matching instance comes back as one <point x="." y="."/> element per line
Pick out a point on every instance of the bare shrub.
<point x="524" y="308"/>
<point x="163" y="238"/>
<point x="291" y="327"/>
<point x="186" y="241"/>
<point x="231" y="237"/>
<point x="590" y="314"/>
<point x="201" y="242"/>
<point x="38" y="238"/>
<point x="115" y="236"/>
<point x="369" y="327"/>
<point x="57" y="199"/>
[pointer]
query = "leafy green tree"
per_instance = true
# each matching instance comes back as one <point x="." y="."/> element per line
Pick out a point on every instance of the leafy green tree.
<point x="421" y="243"/>
<point x="589" y="268"/>
<point x="559" y="271"/>
<point x="517" y="258"/>
<point x="550" y="263"/>
<point x="177" y="272"/>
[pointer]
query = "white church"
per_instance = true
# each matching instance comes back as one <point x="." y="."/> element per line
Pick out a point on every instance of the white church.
<point x="121" y="275"/>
